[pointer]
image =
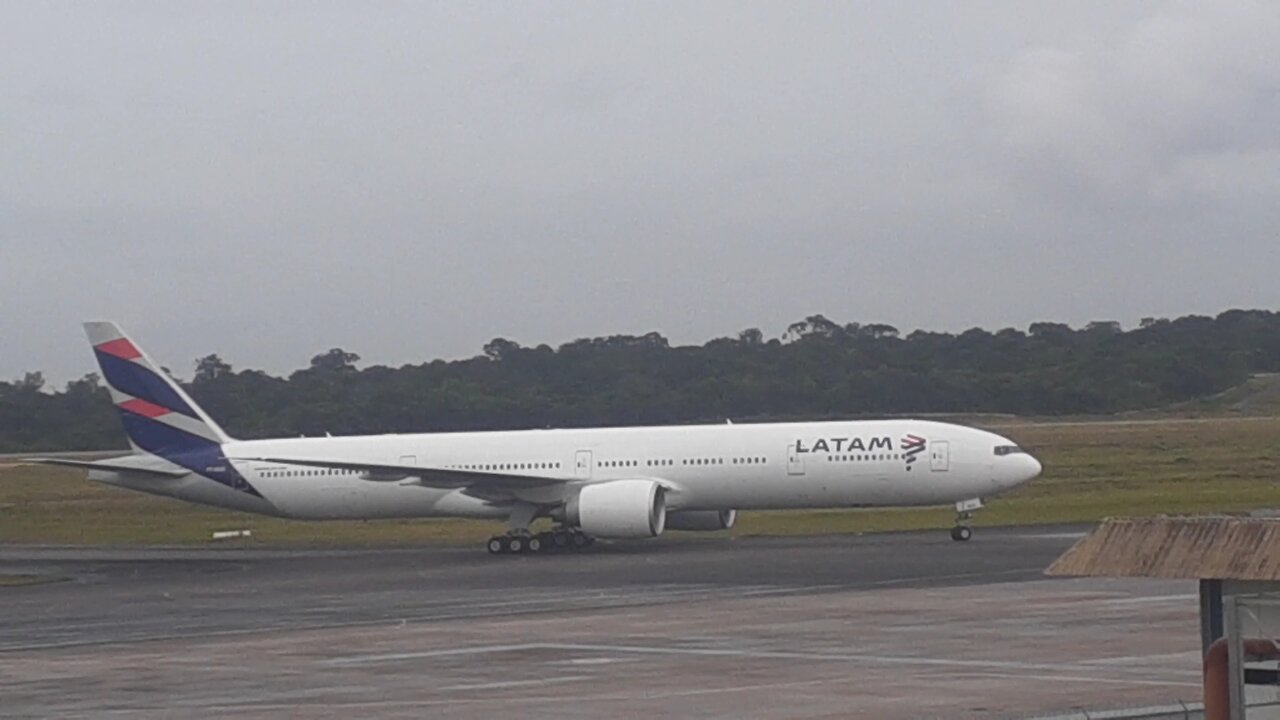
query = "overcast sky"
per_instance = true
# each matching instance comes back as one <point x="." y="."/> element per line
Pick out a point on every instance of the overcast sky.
<point x="408" y="181"/>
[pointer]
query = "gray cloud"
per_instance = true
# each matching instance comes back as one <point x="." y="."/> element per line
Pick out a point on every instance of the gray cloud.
<point x="409" y="181"/>
<point x="1182" y="107"/>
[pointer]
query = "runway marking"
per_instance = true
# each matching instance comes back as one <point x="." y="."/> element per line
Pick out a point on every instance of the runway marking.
<point x="1185" y="655"/>
<point x="294" y="707"/>
<point x="519" y="683"/>
<point x="726" y="652"/>
<point x="1148" y="599"/>
<point x="424" y="654"/>
<point x="1091" y="679"/>
<point x="796" y="655"/>
<point x="242" y="707"/>
<point x="588" y="661"/>
<point x="1070" y="601"/>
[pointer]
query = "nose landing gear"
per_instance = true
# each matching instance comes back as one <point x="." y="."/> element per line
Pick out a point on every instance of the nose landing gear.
<point x="964" y="511"/>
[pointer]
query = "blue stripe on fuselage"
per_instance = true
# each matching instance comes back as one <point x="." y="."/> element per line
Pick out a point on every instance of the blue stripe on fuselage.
<point x="136" y="380"/>
<point x="194" y="453"/>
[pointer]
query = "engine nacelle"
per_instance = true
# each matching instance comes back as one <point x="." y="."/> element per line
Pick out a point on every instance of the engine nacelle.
<point x="704" y="520"/>
<point x="619" y="509"/>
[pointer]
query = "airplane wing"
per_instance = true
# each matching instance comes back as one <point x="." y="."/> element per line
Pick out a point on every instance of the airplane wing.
<point x="110" y="467"/>
<point x="478" y="483"/>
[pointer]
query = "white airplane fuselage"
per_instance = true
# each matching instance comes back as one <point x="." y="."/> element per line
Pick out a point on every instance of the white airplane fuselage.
<point x="704" y="467"/>
<point x="607" y="482"/>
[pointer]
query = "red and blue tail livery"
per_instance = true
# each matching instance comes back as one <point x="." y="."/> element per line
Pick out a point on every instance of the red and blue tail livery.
<point x="158" y="416"/>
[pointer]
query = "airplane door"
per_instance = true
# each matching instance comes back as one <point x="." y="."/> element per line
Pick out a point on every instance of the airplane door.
<point x="795" y="463"/>
<point x="939" y="456"/>
<point x="582" y="465"/>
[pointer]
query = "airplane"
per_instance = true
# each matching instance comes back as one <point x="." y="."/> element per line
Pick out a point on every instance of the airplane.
<point x="624" y="482"/>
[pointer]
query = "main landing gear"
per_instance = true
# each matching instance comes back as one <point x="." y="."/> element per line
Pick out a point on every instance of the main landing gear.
<point x="964" y="511"/>
<point x="558" y="540"/>
<point x="518" y="540"/>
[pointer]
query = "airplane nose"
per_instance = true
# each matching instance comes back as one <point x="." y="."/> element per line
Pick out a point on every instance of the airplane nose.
<point x="1017" y="470"/>
<point x="1033" y="468"/>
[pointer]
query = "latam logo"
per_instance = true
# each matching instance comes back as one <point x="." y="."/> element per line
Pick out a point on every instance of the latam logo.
<point x="912" y="446"/>
<point x="841" y="444"/>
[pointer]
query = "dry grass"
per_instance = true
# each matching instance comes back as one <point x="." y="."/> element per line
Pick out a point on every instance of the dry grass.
<point x="1092" y="471"/>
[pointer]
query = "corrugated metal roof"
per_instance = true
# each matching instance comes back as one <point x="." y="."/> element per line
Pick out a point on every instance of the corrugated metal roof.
<point x="1184" y="548"/>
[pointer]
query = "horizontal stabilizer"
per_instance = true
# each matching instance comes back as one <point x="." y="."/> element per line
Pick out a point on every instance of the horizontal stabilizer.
<point x="111" y="467"/>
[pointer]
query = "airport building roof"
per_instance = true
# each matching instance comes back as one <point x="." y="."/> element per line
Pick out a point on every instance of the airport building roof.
<point x="1225" y="548"/>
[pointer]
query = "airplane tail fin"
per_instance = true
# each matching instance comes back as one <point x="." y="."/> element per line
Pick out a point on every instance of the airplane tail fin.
<point x="158" y="416"/>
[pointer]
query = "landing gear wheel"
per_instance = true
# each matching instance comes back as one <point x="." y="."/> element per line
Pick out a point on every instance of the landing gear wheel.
<point x="580" y="540"/>
<point x="964" y="512"/>
<point x="535" y="544"/>
<point x="516" y="545"/>
<point x="497" y="545"/>
<point x="561" y="539"/>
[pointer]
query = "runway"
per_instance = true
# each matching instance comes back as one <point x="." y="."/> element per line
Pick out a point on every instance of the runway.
<point x="889" y="625"/>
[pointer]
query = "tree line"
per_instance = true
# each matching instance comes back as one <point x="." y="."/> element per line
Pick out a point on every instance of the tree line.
<point x="817" y="369"/>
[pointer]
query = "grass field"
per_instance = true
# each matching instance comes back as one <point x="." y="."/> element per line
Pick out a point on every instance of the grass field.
<point x="1092" y="470"/>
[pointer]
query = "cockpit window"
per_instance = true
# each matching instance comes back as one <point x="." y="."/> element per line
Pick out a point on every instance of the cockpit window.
<point x="1008" y="450"/>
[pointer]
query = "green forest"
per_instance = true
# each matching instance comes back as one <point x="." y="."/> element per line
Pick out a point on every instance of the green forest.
<point x="817" y="369"/>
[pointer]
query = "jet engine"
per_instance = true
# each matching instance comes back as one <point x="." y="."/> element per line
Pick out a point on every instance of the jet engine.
<point x="619" y="509"/>
<point x="701" y="519"/>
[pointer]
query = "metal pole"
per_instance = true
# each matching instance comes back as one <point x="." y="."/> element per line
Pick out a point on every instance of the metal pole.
<point x="1210" y="613"/>
<point x="1235" y="658"/>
